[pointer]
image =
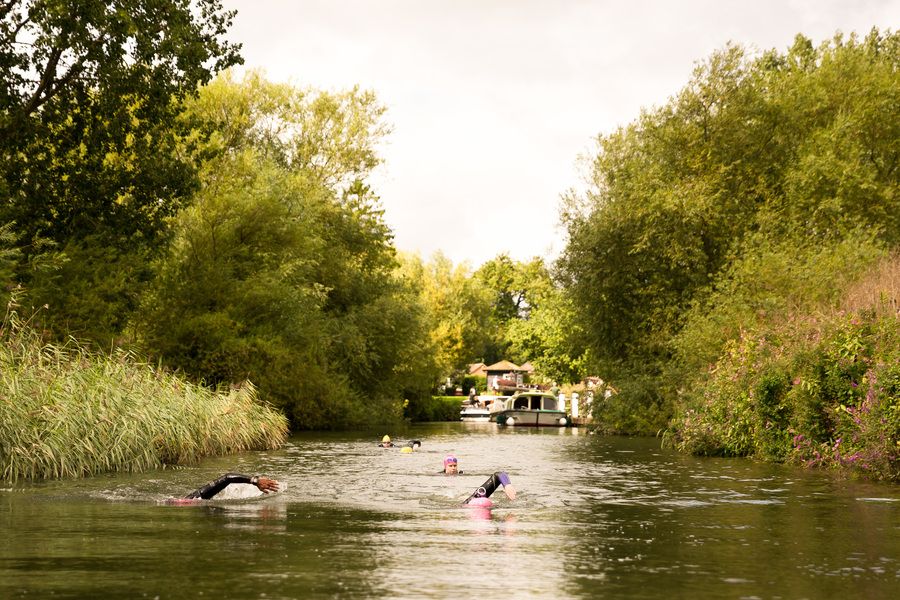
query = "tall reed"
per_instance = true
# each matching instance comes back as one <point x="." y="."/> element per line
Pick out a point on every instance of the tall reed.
<point x="65" y="412"/>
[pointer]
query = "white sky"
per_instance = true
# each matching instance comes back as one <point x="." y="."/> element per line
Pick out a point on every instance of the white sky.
<point x="492" y="101"/>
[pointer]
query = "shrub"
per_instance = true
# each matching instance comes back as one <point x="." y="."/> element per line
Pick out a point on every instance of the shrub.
<point x="433" y="408"/>
<point x="479" y="382"/>
<point x="637" y="409"/>
<point x="825" y="393"/>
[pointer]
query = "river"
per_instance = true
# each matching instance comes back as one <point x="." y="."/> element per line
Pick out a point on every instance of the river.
<point x="595" y="517"/>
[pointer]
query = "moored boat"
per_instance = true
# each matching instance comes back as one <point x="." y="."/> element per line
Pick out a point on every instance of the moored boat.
<point x="494" y="404"/>
<point x="483" y="410"/>
<point x="475" y="414"/>
<point x="533" y="409"/>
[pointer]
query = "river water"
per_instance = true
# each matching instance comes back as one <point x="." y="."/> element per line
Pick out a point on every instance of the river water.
<point x="595" y="517"/>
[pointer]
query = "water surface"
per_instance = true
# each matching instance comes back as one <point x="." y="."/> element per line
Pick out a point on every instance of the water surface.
<point x="595" y="517"/>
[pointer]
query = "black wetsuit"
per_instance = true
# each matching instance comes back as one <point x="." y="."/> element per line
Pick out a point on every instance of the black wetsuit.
<point x="410" y="443"/>
<point x="214" y="487"/>
<point x="488" y="487"/>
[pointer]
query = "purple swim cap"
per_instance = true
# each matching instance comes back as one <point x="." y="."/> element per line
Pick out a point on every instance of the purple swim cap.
<point x="449" y="459"/>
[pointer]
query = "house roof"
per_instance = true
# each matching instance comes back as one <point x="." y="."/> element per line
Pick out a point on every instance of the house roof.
<point x="527" y="366"/>
<point x="474" y="367"/>
<point x="503" y="365"/>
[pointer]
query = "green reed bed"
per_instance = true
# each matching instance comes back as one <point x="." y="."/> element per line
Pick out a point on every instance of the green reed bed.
<point x="67" y="413"/>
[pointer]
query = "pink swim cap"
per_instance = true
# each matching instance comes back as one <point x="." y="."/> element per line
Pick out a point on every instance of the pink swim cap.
<point x="449" y="459"/>
<point x="480" y="503"/>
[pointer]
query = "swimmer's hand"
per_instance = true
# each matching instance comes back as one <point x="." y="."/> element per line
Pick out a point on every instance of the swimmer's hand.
<point x="510" y="492"/>
<point x="266" y="485"/>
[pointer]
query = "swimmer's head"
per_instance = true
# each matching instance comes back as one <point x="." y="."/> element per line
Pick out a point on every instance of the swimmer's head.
<point x="451" y="465"/>
<point x="386" y="440"/>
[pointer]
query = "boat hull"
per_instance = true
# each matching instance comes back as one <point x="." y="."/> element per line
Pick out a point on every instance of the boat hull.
<point x="533" y="418"/>
<point x="475" y="415"/>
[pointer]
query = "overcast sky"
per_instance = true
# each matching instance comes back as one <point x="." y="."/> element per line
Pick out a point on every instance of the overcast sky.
<point x="492" y="101"/>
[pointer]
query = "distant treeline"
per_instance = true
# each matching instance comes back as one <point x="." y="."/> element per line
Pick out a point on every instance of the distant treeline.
<point x="223" y="227"/>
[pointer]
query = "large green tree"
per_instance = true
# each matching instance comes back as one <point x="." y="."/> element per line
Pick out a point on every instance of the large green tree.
<point x="93" y="159"/>
<point x="796" y="148"/>
<point x="282" y="269"/>
<point x="88" y="94"/>
<point x="533" y="318"/>
<point x="457" y="312"/>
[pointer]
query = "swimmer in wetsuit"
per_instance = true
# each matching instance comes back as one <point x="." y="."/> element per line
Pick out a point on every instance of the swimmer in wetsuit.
<point x="387" y="443"/>
<point x="451" y="465"/>
<point x="488" y="487"/>
<point x="212" y="488"/>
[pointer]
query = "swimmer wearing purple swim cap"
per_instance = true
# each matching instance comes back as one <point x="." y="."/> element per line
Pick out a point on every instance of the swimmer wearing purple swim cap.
<point x="488" y="487"/>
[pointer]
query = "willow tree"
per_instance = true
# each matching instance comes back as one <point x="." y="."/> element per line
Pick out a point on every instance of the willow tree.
<point x="281" y="270"/>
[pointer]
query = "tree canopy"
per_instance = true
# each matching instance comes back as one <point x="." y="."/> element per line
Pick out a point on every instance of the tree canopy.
<point x="282" y="270"/>
<point x="794" y="150"/>
<point x="88" y="94"/>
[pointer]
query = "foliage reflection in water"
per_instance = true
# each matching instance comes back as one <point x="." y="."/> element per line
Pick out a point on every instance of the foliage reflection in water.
<point x="595" y="517"/>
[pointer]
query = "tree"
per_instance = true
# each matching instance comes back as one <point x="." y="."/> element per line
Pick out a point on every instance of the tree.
<point x="550" y="338"/>
<point x="518" y="291"/>
<point x="457" y="312"/>
<point x="88" y="95"/>
<point x="795" y="149"/>
<point x="282" y="270"/>
<point x="93" y="160"/>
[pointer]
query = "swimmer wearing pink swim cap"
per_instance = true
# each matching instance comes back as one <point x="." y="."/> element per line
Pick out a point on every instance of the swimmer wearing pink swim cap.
<point x="480" y="496"/>
<point x="488" y="487"/>
<point x="451" y="465"/>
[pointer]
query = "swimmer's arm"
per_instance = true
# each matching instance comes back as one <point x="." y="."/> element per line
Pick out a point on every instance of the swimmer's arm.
<point x="265" y="484"/>
<point x="212" y="488"/>
<point x="508" y="489"/>
<point x="488" y="487"/>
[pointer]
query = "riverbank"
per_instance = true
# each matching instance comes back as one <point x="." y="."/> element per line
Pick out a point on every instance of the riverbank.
<point x="65" y="412"/>
<point x="822" y="392"/>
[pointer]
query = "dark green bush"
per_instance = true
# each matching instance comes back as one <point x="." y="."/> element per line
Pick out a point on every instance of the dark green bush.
<point x="637" y="409"/>
<point x="433" y="408"/>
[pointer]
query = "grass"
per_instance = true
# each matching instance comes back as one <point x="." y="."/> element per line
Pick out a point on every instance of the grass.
<point x="65" y="412"/>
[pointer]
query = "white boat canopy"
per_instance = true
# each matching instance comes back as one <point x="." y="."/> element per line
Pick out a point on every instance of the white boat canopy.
<point x="535" y="402"/>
